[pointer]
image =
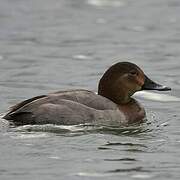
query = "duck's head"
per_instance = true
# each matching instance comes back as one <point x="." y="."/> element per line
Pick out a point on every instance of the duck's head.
<point x="122" y="80"/>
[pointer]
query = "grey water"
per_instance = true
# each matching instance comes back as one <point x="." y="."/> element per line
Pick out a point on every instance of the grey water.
<point x="50" y="45"/>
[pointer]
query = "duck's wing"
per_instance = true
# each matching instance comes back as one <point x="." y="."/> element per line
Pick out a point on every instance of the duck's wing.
<point x="85" y="97"/>
<point x="19" y="109"/>
<point x="27" y="101"/>
<point x="66" y="107"/>
<point x="59" y="95"/>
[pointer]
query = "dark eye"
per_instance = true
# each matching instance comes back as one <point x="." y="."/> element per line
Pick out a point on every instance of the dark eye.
<point x="133" y="73"/>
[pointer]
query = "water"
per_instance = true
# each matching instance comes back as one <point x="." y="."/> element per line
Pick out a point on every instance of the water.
<point x="55" y="45"/>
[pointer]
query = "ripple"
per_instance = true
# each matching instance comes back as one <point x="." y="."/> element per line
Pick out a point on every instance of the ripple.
<point x="4" y="125"/>
<point x="30" y="135"/>
<point x="124" y="144"/>
<point x="81" y="57"/>
<point x="50" y="128"/>
<point x="135" y="150"/>
<point x="141" y="176"/>
<point x="102" y="3"/>
<point x="104" y="148"/>
<point x="164" y="124"/>
<point x="121" y="159"/>
<point x="130" y="147"/>
<point x="76" y="130"/>
<point x="91" y="174"/>
<point x="136" y="169"/>
<point x="54" y="157"/>
<point x="73" y="130"/>
<point x="130" y="130"/>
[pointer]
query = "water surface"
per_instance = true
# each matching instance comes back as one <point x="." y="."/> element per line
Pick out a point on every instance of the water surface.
<point x="65" y="44"/>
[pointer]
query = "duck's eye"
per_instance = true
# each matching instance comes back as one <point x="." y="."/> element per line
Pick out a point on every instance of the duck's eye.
<point x="133" y="73"/>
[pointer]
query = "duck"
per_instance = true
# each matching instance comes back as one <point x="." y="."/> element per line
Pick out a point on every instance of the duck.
<point x="113" y="104"/>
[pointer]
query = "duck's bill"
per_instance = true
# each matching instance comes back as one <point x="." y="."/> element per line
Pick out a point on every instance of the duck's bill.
<point x="151" y="85"/>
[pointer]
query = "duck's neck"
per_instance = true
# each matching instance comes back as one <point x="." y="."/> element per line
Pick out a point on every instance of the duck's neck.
<point x="118" y="97"/>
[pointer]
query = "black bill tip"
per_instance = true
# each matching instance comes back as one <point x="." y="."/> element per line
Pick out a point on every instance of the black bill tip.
<point x="151" y="85"/>
<point x="162" y="88"/>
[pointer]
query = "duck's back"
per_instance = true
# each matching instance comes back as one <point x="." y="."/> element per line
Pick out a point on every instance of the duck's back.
<point x="65" y="108"/>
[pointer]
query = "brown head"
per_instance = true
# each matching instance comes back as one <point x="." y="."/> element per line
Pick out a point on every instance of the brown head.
<point x="122" y="80"/>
